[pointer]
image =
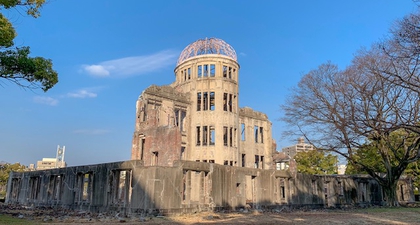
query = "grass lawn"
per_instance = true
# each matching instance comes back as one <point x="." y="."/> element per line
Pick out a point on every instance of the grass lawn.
<point x="7" y="219"/>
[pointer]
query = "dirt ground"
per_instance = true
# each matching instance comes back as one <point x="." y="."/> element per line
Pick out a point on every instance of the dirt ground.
<point x="402" y="216"/>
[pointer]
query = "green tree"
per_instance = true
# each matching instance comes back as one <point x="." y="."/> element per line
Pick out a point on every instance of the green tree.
<point x="316" y="162"/>
<point x="368" y="155"/>
<point x="5" y="169"/>
<point x="15" y="63"/>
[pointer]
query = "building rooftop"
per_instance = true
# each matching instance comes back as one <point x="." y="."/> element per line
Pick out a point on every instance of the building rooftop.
<point x="207" y="46"/>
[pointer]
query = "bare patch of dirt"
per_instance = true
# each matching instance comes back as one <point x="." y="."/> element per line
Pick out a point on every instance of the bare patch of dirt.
<point x="397" y="216"/>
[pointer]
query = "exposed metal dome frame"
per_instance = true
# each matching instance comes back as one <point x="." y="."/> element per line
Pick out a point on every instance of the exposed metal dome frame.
<point x="207" y="46"/>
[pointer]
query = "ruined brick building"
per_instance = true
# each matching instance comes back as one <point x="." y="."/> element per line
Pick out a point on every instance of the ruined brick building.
<point x="198" y="118"/>
<point x="194" y="149"/>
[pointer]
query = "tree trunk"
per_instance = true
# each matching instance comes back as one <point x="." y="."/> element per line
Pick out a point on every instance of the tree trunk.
<point x="390" y="191"/>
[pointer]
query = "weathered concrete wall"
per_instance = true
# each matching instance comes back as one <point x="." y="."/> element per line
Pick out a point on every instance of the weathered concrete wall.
<point x="129" y="187"/>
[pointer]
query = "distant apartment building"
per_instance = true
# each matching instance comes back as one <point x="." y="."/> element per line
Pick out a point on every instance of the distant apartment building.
<point x="301" y="146"/>
<point x="49" y="163"/>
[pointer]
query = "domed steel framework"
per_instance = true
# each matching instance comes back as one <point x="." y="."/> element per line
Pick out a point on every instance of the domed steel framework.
<point x="207" y="46"/>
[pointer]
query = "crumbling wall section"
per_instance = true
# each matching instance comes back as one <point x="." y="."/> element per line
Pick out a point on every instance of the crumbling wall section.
<point x="130" y="187"/>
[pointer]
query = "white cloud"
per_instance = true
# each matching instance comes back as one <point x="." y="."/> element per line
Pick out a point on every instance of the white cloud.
<point x="131" y="66"/>
<point x="91" y="131"/>
<point x="45" y="100"/>
<point x="82" y="94"/>
<point x="96" y="70"/>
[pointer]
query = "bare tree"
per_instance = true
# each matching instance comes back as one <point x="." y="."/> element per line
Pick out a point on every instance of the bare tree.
<point x="403" y="52"/>
<point x="341" y="111"/>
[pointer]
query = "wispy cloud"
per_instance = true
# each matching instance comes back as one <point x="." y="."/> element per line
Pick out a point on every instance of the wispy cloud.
<point x="132" y="66"/>
<point x="91" y="131"/>
<point x="45" y="100"/>
<point x="82" y="94"/>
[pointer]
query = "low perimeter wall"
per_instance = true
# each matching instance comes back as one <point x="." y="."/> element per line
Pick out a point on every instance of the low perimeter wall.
<point x="129" y="187"/>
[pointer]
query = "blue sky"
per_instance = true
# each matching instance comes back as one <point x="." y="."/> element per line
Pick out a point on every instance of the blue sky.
<point x="108" y="52"/>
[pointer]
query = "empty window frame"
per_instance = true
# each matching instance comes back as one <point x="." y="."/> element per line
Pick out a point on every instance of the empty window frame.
<point x="225" y="162"/>
<point x="182" y="153"/>
<point x="256" y="133"/>
<point x="205" y="101"/>
<point x="180" y="115"/>
<point x="230" y="72"/>
<point x="142" y="144"/>
<point x="189" y="74"/>
<point x="225" y="136"/>
<point x="225" y="101"/>
<point x="231" y="137"/>
<point x="85" y="186"/>
<point x="34" y="187"/>
<point x="212" y="70"/>
<point x="55" y="187"/>
<point x="225" y="71"/>
<point x="230" y="102"/>
<point x="243" y="160"/>
<point x="262" y="162"/>
<point x="155" y="158"/>
<point x="212" y="99"/>
<point x="199" y="71"/>
<point x="199" y="101"/>
<point x="257" y="161"/>
<point x="198" y="133"/>
<point x="120" y="186"/>
<point x="242" y="131"/>
<point x="206" y="71"/>
<point x="205" y="135"/>
<point x="261" y="134"/>
<point x="212" y="136"/>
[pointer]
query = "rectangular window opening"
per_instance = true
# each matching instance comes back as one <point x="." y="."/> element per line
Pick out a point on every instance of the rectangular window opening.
<point x="243" y="160"/>
<point x="189" y="73"/>
<point x="155" y="157"/>
<point x="257" y="161"/>
<point x="230" y="137"/>
<point x="225" y="136"/>
<point x="205" y="101"/>
<point x="256" y="133"/>
<point x="205" y="135"/>
<point x="225" y="102"/>
<point x="212" y="70"/>
<point x="199" y="101"/>
<point x="230" y="102"/>
<point x="206" y="71"/>
<point x="143" y="141"/>
<point x="198" y="133"/>
<point x="225" y="71"/>
<point x="212" y="136"/>
<point x="242" y="131"/>
<point x="212" y="99"/>
<point x="261" y="135"/>
<point x="199" y="71"/>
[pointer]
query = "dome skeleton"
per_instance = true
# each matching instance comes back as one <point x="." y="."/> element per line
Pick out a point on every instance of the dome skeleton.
<point x="207" y="46"/>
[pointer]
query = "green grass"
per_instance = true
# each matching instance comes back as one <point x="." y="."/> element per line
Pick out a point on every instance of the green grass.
<point x="6" y="219"/>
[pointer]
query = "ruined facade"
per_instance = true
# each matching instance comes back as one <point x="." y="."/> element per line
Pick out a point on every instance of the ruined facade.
<point x="131" y="188"/>
<point x="197" y="117"/>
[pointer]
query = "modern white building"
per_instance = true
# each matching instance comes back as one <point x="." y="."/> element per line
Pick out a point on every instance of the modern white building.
<point x="301" y="146"/>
